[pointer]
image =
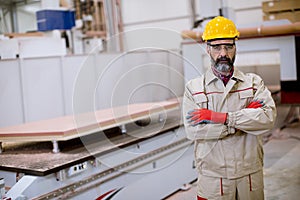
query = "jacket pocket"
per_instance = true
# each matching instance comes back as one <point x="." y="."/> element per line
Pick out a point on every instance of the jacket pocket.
<point x="246" y="94"/>
<point x="246" y="97"/>
<point x="201" y="100"/>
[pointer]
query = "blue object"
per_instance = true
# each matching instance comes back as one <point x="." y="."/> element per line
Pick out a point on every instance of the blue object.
<point x="48" y="20"/>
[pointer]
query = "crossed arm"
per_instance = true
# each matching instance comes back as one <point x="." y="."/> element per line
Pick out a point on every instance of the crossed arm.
<point x="256" y="118"/>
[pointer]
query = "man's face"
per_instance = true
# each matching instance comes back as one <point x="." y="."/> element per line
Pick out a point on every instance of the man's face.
<point x="222" y="53"/>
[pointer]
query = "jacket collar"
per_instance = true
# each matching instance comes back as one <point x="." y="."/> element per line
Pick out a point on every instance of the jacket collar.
<point x="238" y="75"/>
<point x="210" y="76"/>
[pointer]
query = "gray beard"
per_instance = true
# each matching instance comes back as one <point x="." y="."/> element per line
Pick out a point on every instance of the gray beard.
<point x="223" y="67"/>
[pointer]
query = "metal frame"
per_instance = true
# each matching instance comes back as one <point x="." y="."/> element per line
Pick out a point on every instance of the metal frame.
<point x="142" y="166"/>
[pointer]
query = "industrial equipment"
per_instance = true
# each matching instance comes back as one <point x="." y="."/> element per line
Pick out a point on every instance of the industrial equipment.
<point x="137" y="151"/>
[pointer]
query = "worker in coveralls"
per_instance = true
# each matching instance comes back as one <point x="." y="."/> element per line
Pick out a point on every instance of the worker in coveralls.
<point x="226" y="112"/>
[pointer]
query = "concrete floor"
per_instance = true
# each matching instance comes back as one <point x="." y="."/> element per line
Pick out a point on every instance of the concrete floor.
<point x="281" y="167"/>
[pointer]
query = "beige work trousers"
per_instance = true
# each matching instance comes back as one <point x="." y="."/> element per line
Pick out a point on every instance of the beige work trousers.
<point x="250" y="187"/>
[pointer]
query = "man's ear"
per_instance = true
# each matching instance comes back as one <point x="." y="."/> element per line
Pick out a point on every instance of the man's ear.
<point x="207" y="49"/>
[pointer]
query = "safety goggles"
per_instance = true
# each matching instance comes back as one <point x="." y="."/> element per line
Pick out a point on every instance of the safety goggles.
<point x="217" y="48"/>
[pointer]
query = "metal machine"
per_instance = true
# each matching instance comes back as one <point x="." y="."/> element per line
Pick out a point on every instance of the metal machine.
<point x="137" y="155"/>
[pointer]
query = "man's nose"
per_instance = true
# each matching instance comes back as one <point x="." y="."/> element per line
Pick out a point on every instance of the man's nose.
<point x="223" y="51"/>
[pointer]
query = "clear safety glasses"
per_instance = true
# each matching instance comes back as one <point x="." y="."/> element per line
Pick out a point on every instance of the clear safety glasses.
<point x="217" y="48"/>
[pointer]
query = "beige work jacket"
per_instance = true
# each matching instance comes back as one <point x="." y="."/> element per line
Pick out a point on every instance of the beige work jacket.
<point x="235" y="149"/>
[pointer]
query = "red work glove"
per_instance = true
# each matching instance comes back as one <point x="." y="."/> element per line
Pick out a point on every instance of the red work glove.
<point x="255" y="104"/>
<point x="205" y="116"/>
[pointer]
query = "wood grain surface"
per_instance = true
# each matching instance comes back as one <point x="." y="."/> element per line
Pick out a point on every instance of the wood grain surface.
<point x="74" y="126"/>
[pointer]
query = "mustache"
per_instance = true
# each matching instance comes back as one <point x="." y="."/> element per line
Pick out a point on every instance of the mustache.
<point x="222" y="59"/>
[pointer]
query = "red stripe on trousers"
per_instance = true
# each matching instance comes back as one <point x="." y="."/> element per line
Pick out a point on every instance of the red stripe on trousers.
<point x="250" y="183"/>
<point x="221" y="186"/>
<point x="200" y="198"/>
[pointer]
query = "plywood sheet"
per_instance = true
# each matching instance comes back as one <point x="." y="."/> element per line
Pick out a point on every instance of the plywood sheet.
<point x="69" y="127"/>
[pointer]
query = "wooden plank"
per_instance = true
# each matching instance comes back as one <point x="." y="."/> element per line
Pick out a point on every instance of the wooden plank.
<point x="278" y="6"/>
<point x="100" y="34"/>
<point x="29" y="34"/>
<point x="292" y="16"/>
<point x="74" y="126"/>
<point x="252" y="32"/>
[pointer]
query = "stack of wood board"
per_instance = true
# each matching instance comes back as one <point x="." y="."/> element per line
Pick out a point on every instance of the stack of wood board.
<point x="75" y="126"/>
<point x="281" y="9"/>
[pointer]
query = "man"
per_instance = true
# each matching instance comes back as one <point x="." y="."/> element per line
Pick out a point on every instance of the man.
<point x="225" y="113"/>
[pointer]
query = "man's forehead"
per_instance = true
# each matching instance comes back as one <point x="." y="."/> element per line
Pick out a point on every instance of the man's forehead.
<point x="222" y="41"/>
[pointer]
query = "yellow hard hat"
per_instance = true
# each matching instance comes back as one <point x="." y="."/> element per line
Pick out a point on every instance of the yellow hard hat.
<point x="219" y="28"/>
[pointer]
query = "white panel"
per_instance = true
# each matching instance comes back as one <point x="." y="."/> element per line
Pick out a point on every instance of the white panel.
<point x="153" y="78"/>
<point x="143" y="10"/>
<point x="209" y="9"/>
<point x="119" y="79"/>
<point x="109" y="68"/>
<point x="285" y="46"/>
<point x="176" y="84"/>
<point x="288" y="70"/>
<point x="41" y="47"/>
<point x="26" y="17"/>
<point x="193" y="55"/>
<point x="139" y="76"/>
<point x="42" y="88"/>
<point x="251" y="16"/>
<point x="244" y="11"/>
<point x="70" y="70"/>
<point x="155" y="35"/>
<point x="244" y="4"/>
<point x="84" y="85"/>
<point x="176" y="25"/>
<point x="11" y="112"/>
<point x="50" y="4"/>
<point x="9" y="49"/>
<point x="261" y="58"/>
<point x="258" y="44"/>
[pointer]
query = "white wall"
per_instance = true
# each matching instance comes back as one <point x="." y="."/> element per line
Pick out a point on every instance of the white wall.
<point x="247" y="12"/>
<point x="205" y="9"/>
<point x="243" y="12"/>
<point x="174" y="16"/>
<point x="47" y="87"/>
<point x="27" y="18"/>
<point x="170" y="16"/>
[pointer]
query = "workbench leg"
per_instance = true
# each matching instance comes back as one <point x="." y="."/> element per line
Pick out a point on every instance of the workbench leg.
<point x="123" y="129"/>
<point x="1" y="150"/>
<point x="55" y="147"/>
